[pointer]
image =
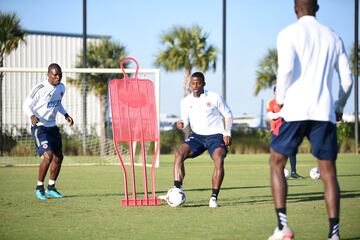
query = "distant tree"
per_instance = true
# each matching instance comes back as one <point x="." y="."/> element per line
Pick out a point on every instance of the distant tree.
<point x="102" y="54"/>
<point x="266" y="73"/>
<point x="185" y="49"/>
<point x="11" y="34"/>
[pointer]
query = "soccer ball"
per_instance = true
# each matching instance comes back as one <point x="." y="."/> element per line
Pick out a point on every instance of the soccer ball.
<point x="175" y="197"/>
<point x="315" y="173"/>
<point x="286" y="173"/>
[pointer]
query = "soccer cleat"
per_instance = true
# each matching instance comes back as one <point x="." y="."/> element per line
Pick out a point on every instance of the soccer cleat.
<point x="284" y="234"/>
<point x="213" y="202"/>
<point x="40" y="193"/>
<point x="334" y="237"/>
<point x="52" y="192"/>
<point x="295" y="175"/>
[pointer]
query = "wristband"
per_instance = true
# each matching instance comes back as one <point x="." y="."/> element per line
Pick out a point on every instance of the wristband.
<point x="66" y="115"/>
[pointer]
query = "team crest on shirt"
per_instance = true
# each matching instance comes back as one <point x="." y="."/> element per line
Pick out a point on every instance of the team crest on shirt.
<point x="45" y="146"/>
<point x="208" y="104"/>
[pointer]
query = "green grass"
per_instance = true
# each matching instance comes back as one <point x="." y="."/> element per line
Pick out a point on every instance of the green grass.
<point x="92" y="210"/>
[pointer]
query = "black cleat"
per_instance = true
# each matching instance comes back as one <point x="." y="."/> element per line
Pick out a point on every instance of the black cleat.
<point x="296" y="176"/>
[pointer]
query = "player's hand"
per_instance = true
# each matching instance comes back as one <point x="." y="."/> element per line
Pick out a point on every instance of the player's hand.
<point x="34" y="120"/>
<point x="180" y="124"/>
<point x="338" y="116"/>
<point x="70" y="120"/>
<point x="227" y="140"/>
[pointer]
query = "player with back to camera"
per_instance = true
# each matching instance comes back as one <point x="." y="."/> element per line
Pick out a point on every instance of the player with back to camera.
<point x="41" y="106"/>
<point x="273" y="113"/>
<point x="308" y="55"/>
<point x="206" y="113"/>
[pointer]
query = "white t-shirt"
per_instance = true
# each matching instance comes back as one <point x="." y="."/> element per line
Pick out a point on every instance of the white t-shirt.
<point x="206" y="114"/>
<point x="308" y="54"/>
<point x="44" y="102"/>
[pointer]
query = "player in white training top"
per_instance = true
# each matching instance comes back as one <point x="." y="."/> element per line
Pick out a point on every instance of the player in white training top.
<point x="210" y="120"/>
<point x="41" y="107"/>
<point x="309" y="53"/>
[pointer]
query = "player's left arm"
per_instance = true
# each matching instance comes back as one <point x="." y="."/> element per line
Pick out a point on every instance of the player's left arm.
<point x="68" y="118"/>
<point x="346" y="82"/>
<point x="228" y="118"/>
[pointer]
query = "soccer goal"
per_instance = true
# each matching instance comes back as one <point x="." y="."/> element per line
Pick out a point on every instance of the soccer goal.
<point x="89" y="141"/>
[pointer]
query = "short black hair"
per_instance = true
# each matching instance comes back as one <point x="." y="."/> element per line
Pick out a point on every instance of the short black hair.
<point x="199" y="75"/>
<point x="54" y="66"/>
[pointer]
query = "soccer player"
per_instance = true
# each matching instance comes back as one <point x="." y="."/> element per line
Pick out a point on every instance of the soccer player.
<point x="210" y="120"/>
<point x="273" y="113"/>
<point x="41" y="106"/>
<point x="308" y="55"/>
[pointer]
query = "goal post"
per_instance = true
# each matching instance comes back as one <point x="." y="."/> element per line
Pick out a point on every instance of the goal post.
<point x="19" y="147"/>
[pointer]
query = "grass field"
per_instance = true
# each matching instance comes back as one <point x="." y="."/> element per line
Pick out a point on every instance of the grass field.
<point x="92" y="210"/>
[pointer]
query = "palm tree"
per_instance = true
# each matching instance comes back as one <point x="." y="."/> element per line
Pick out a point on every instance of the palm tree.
<point x="11" y="34"/>
<point x="186" y="48"/>
<point x="102" y="54"/>
<point x="266" y="75"/>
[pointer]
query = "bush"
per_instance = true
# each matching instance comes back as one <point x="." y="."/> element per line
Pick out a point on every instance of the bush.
<point x="170" y="140"/>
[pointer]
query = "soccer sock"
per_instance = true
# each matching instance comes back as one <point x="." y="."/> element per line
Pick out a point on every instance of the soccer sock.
<point x="334" y="227"/>
<point x="215" y="193"/>
<point x="51" y="182"/>
<point x="40" y="183"/>
<point x="178" y="184"/>
<point x="281" y="217"/>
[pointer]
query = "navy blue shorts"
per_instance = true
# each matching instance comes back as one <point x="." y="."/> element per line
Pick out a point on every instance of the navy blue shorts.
<point x="322" y="137"/>
<point x="47" y="138"/>
<point x="200" y="143"/>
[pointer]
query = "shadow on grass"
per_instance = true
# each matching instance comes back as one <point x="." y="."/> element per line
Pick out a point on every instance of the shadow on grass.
<point x="267" y="199"/>
<point x="263" y="199"/>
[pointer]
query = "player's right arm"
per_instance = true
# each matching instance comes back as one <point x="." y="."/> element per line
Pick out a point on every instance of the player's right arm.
<point x="184" y="116"/>
<point x="29" y="103"/>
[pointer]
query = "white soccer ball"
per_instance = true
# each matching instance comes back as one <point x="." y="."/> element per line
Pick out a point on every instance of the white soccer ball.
<point x="315" y="173"/>
<point x="175" y="197"/>
<point x="286" y="173"/>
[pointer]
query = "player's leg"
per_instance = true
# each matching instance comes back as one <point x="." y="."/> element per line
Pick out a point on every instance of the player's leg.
<point x="43" y="168"/>
<point x="218" y="157"/>
<point x="277" y="178"/>
<point x="331" y="194"/>
<point x="323" y="141"/>
<point x="282" y="145"/>
<point x="294" y="173"/>
<point x="217" y="150"/>
<point x="181" y="154"/>
<point x="40" y="137"/>
<point x="56" y="145"/>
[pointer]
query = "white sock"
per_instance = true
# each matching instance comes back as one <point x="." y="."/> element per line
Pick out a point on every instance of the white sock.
<point x="51" y="182"/>
<point x="39" y="183"/>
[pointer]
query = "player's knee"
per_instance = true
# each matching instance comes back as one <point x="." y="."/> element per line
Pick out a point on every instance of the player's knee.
<point x="48" y="156"/>
<point x="277" y="160"/>
<point x="59" y="158"/>
<point x="181" y="154"/>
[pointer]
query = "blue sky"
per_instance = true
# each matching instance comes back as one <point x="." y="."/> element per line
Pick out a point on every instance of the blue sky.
<point x="252" y="27"/>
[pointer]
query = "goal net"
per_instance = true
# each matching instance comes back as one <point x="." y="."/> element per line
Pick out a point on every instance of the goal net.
<point x="89" y="141"/>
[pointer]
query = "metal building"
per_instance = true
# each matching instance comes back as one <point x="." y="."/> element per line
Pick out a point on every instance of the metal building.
<point x="38" y="51"/>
